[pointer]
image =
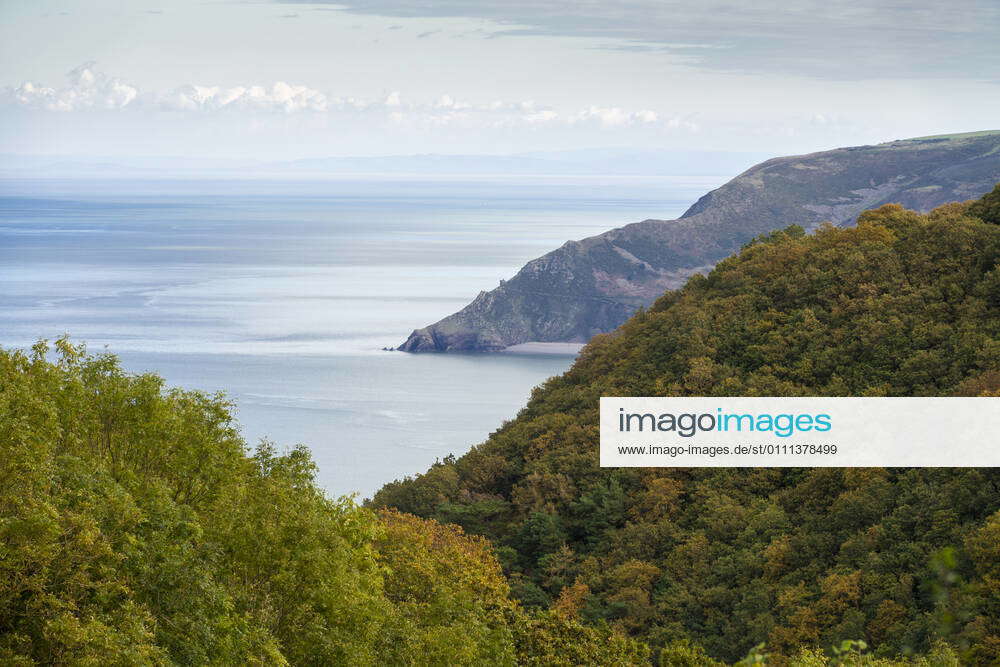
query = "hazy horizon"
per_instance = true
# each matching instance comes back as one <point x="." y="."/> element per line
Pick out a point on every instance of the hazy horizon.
<point x="290" y="80"/>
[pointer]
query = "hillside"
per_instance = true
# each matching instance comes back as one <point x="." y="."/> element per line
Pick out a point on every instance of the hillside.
<point x="903" y="304"/>
<point x="592" y="286"/>
<point x="137" y="529"/>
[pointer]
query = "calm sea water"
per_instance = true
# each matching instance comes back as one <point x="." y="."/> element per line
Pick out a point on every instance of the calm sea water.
<point x="282" y="294"/>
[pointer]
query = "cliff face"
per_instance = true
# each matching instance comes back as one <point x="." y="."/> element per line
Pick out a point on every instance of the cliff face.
<point x="592" y="286"/>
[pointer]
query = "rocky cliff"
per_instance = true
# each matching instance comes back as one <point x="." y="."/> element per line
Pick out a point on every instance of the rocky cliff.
<point x="592" y="286"/>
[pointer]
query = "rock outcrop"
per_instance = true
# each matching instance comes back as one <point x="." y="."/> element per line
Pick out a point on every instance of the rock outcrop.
<point x="592" y="286"/>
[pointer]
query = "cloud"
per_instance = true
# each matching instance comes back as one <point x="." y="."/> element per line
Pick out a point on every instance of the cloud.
<point x="88" y="89"/>
<point x="280" y="96"/>
<point x="540" y="117"/>
<point x="614" y="116"/>
<point x="85" y="89"/>
<point x="848" y="39"/>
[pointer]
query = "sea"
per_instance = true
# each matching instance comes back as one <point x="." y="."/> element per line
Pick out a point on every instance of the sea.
<point x="282" y="293"/>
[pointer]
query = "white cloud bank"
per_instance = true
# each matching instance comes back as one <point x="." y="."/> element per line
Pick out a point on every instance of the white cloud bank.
<point x="614" y="116"/>
<point x="88" y="89"/>
<point x="85" y="89"/>
<point x="280" y="96"/>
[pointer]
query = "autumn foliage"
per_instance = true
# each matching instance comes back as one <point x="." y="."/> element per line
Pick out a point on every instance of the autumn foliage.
<point x="715" y="562"/>
<point x="137" y="529"/>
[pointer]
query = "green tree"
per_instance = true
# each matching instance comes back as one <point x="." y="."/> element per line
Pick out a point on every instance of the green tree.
<point x="903" y="304"/>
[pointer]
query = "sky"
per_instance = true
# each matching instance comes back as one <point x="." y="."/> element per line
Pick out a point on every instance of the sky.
<point x="283" y="80"/>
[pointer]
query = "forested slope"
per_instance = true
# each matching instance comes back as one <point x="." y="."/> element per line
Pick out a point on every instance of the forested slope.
<point x="136" y="529"/>
<point x="903" y="304"/>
